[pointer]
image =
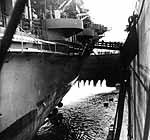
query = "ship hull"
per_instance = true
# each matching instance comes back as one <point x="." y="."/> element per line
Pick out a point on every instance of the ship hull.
<point x="140" y="78"/>
<point x="31" y="85"/>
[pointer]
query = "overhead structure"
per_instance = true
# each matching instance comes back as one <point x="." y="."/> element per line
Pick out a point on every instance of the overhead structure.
<point x="109" y="45"/>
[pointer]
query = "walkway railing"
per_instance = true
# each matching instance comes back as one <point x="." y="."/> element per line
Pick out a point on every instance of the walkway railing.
<point x="109" y="45"/>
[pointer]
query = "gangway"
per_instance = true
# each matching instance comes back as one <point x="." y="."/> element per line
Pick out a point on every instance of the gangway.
<point x="108" y="45"/>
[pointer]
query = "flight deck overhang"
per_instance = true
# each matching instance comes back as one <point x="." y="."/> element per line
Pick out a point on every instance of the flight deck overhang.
<point x="64" y="27"/>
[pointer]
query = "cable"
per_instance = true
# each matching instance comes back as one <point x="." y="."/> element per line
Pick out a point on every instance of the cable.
<point x="143" y="2"/>
<point x="138" y="77"/>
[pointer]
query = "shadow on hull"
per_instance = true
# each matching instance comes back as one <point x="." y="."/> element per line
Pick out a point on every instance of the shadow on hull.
<point x="101" y="67"/>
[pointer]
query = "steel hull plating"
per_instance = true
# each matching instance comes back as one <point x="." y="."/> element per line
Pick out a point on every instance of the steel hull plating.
<point x="31" y="85"/>
<point x="140" y="78"/>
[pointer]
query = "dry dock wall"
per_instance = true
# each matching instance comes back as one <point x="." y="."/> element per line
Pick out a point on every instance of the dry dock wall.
<point x="140" y="79"/>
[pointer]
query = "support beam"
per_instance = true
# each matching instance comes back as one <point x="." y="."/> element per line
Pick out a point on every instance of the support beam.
<point x="11" y="28"/>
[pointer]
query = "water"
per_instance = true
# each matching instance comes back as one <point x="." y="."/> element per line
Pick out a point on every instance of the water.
<point x="84" y="114"/>
<point x="76" y="94"/>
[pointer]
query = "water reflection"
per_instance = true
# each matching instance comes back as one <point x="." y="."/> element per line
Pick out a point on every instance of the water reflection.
<point x="82" y="90"/>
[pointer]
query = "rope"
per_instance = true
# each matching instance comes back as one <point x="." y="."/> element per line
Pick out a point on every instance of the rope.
<point x="139" y="79"/>
<point x="143" y="2"/>
<point x="133" y="20"/>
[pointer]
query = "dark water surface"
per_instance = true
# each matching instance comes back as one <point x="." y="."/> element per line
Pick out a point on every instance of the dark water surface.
<point x="88" y="119"/>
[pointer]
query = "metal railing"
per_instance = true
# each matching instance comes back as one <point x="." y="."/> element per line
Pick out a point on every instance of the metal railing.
<point x="108" y="45"/>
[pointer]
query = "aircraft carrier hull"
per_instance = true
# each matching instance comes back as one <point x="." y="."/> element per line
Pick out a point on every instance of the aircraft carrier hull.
<point x="31" y="85"/>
